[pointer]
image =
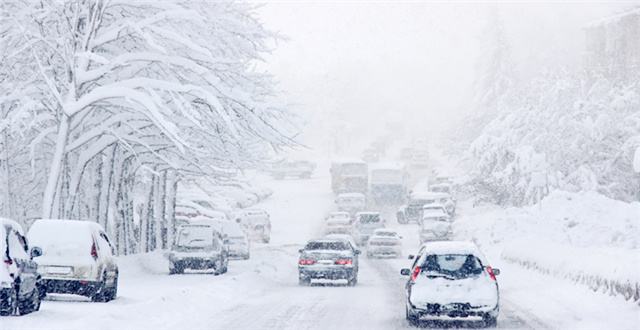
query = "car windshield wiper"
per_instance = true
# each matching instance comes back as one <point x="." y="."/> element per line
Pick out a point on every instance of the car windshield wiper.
<point x="440" y="275"/>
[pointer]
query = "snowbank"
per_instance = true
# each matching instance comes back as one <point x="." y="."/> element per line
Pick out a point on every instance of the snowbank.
<point x="584" y="237"/>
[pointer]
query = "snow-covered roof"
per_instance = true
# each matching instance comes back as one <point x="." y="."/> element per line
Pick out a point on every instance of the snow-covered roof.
<point x="351" y="195"/>
<point x="434" y="214"/>
<point x="398" y="166"/>
<point x="385" y="230"/>
<point x="428" y="195"/>
<point x="348" y="161"/>
<point x="451" y="247"/>
<point x="368" y="213"/>
<point x="68" y="222"/>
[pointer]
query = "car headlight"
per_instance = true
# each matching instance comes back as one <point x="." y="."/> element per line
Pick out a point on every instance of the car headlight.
<point x="6" y="285"/>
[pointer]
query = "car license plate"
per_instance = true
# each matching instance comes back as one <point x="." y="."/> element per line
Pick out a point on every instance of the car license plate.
<point x="58" y="270"/>
<point x="325" y="262"/>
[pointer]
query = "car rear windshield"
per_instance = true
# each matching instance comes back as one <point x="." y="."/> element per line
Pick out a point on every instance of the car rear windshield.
<point x="326" y="246"/>
<point x="195" y="237"/>
<point x="452" y="265"/>
<point x="386" y="234"/>
<point x="369" y="218"/>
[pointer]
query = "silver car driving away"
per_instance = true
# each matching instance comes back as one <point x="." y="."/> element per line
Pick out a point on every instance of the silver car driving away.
<point x="330" y="259"/>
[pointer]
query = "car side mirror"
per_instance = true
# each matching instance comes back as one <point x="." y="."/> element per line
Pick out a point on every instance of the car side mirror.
<point x="35" y="252"/>
<point x="405" y="271"/>
<point x="411" y="257"/>
<point x="496" y="271"/>
<point x="301" y="250"/>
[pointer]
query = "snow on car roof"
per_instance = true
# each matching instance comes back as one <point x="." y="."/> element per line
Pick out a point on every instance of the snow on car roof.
<point x="387" y="166"/>
<point x="452" y="247"/>
<point x="367" y="213"/>
<point x="67" y="222"/>
<point x="384" y="230"/>
<point x="429" y="195"/>
<point x="348" y="161"/>
<point x="338" y="213"/>
<point x="434" y="213"/>
<point x="351" y="195"/>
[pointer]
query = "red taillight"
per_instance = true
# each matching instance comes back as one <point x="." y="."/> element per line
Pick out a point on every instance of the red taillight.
<point x="94" y="251"/>
<point x="344" y="262"/>
<point x="305" y="262"/>
<point x="490" y="272"/>
<point x="416" y="272"/>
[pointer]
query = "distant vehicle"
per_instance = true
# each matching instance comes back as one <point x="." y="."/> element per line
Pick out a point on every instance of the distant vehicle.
<point x="337" y="226"/>
<point x="370" y="155"/>
<point x="364" y="224"/>
<point x="388" y="183"/>
<point x="441" y="188"/>
<point x="20" y="284"/>
<point x="345" y="237"/>
<point x="236" y="240"/>
<point x="435" y="226"/>
<point x="296" y="169"/>
<point x="412" y="211"/>
<point x="331" y="259"/>
<point x="338" y="216"/>
<point x="77" y="258"/>
<point x="451" y="281"/>
<point x="198" y="245"/>
<point x="384" y="243"/>
<point x="349" y="176"/>
<point x="256" y="223"/>
<point x="406" y="154"/>
<point x="435" y="207"/>
<point x="351" y="202"/>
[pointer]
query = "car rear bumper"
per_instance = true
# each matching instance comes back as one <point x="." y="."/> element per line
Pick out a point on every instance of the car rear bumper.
<point x="329" y="274"/>
<point x="453" y="312"/>
<point x="197" y="263"/>
<point x="79" y="287"/>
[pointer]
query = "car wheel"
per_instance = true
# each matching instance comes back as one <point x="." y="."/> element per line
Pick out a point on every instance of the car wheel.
<point x="266" y="240"/>
<point x="9" y="306"/>
<point x="304" y="281"/>
<point x="353" y="281"/>
<point x="490" y="321"/>
<point x="100" y="294"/>
<point x="246" y="256"/>
<point x="112" y="292"/>
<point x="31" y="304"/>
<point x="176" y="269"/>
<point x="413" y="321"/>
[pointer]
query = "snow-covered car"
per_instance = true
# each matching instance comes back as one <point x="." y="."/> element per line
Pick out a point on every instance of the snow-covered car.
<point x="384" y="243"/>
<point x="338" y="216"/>
<point x="236" y="240"/>
<point x="20" y="285"/>
<point x="77" y="258"/>
<point x="337" y="226"/>
<point x="451" y="281"/>
<point x="412" y="211"/>
<point x="435" y="226"/>
<point x="295" y="169"/>
<point x="443" y="187"/>
<point x="256" y="223"/>
<point x="434" y="208"/>
<point x="364" y="224"/>
<point x="198" y="245"/>
<point x="351" y="202"/>
<point x="331" y="259"/>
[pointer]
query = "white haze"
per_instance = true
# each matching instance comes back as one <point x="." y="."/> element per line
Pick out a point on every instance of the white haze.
<point x="352" y="66"/>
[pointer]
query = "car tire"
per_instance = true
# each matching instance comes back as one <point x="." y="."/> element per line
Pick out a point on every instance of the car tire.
<point x="11" y="305"/>
<point x="31" y="304"/>
<point x="176" y="269"/>
<point x="304" y="281"/>
<point x="112" y="292"/>
<point x="490" y="322"/>
<point x="101" y="291"/>
<point x="246" y="256"/>
<point x="413" y="321"/>
<point x="353" y="281"/>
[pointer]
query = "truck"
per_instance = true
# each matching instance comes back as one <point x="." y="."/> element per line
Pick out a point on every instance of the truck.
<point x="388" y="183"/>
<point x="349" y="176"/>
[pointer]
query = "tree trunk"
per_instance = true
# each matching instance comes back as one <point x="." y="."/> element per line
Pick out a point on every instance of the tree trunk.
<point x="49" y="197"/>
<point x="170" y="206"/>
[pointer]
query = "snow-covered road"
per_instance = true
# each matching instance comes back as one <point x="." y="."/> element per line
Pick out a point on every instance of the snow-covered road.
<point x="263" y="292"/>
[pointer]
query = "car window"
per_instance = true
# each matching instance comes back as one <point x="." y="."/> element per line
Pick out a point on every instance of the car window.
<point x="369" y="218"/>
<point x="104" y="245"/>
<point x="453" y="265"/>
<point x="418" y="256"/>
<point x="17" y="246"/>
<point x="327" y="246"/>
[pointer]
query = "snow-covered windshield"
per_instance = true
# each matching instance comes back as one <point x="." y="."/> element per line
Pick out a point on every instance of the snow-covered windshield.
<point x="453" y="265"/>
<point x="369" y="218"/>
<point x="195" y="237"/>
<point x="329" y="245"/>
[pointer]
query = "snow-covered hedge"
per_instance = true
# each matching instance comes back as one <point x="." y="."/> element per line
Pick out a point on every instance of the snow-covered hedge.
<point x="585" y="237"/>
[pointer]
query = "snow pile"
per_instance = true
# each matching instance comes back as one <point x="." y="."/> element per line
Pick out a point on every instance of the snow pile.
<point x="585" y="237"/>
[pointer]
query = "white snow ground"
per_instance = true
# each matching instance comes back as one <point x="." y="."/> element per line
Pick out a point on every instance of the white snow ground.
<point x="263" y="293"/>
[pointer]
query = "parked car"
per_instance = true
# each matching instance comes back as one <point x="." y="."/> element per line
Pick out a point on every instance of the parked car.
<point x="435" y="226"/>
<point x="351" y="202"/>
<point x="365" y="224"/>
<point x="337" y="226"/>
<point x="198" y="245"/>
<point x="256" y="223"/>
<point x="451" y="281"/>
<point x="331" y="259"/>
<point x="384" y="243"/>
<point x="237" y="240"/>
<point x="77" y="258"/>
<point x="20" y="284"/>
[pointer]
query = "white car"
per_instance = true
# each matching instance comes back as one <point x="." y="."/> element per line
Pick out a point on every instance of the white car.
<point x="384" y="243"/>
<point x="434" y="207"/>
<point x="451" y="281"/>
<point x="351" y="202"/>
<point x="198" y="245"/>
<point x="435" y="226"/>
<point x="77" y="258"/>
<point x="236" y="240"/>
<point x="364" y="224"/>
<point x="345" y="237"/>
<point x="338" y="216"/>
<point x="337" y="226"/>
<point x="256" y="223"/>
